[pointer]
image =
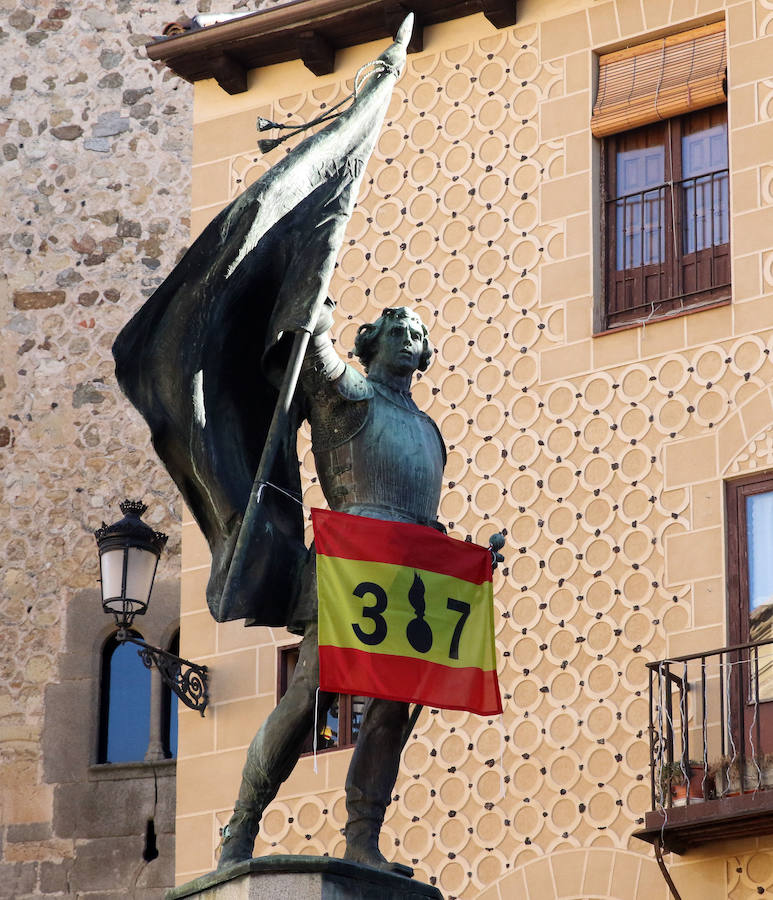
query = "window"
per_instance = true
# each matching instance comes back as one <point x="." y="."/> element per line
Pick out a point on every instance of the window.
<point x="124" y="729"/>
<point x="136" y="722"/>
<point x="661" y="114"/>
<point x="340" y="727"/>
<point x="750" y="569"/>
<point x="169" y="709"/>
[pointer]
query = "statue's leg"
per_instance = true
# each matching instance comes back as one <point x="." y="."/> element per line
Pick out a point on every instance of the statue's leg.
<point x="371" y="778"/>
<point x="274" y="751"/>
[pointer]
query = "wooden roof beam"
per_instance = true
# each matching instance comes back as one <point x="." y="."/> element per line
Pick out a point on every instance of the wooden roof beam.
<point x="229" y="74"/>
<point x="501" y="13"/>
<point x="311" y="30"/>
<point x="316" y="53"/>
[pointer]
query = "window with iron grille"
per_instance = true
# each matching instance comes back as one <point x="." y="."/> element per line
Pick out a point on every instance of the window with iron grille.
<point x="666" y="217"/>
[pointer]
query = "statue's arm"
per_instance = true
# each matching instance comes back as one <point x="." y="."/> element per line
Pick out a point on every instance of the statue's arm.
<point x="325" y="377"/>
<point x="322" y="366"/>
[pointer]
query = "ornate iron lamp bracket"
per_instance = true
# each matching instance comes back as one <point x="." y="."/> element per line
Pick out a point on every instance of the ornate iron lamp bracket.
<point x="187" y="679"/>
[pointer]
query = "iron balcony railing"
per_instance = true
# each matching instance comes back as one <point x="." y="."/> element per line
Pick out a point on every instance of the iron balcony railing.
<point x="670" y="243"/>
<point x="696" y="210"/>
<point x="711" y="723"/>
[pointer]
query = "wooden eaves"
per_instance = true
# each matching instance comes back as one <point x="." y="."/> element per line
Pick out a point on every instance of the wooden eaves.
<point x="309" y="30"/>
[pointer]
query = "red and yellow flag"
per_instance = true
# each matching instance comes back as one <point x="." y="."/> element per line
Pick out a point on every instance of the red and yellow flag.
<point x="405" y="613"/>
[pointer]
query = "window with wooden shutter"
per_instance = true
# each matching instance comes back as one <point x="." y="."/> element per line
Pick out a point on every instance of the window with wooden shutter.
<point x="661" y="113"/>
<point x="338" y="718"/>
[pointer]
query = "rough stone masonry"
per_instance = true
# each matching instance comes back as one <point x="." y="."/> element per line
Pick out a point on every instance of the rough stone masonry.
<point x="95" y="156"/>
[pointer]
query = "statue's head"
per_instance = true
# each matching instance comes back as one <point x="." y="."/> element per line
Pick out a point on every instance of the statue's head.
<point x="395" y="326"/>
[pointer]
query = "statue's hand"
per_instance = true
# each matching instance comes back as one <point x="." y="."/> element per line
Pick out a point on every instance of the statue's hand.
<point x="325" y="317"/>
<point x="495" y="544"/>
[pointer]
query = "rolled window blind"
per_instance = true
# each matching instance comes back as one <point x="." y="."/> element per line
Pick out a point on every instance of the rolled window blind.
<point x="660" y="79"/>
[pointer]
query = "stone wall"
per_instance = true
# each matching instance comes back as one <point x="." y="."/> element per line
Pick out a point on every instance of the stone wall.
<point x="602" y="456"/>
<point x="95" y="151"/>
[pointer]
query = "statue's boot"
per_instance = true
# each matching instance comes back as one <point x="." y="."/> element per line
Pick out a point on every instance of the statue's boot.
<point x="362" y="846"/>
<point x="370" y="781"/>
<point x="274" y="751"/>
<point x="239" y="836"/>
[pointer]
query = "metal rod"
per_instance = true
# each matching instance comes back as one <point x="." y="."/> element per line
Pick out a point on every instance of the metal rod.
<point x="691" y="656"/>
<point x="704" y="728"/>
<point x="189" y="684"/>
<point x="722" y="676"/>
<point x="741" y="718"/>
<point x="652" y="743"/>
<point x="664" y="871"/>
<point x="757" y="710"/>
<point x="409" y="726"/>
<point x="669" y="720"/>
<point x="684" y="713"/>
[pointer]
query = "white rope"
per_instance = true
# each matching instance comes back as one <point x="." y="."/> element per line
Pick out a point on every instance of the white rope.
<point x="661" y="748"/>
<point x="729" y="665"/>
<point x="661" y="742"/>
<point x="293" y="497"/>
<point x="684" y="763"/>
<point x="751" y="726"/>
<point x="316" y="729"/>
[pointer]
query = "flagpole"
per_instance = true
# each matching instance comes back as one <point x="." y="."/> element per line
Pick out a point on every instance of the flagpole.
<point x="273" y="443"/>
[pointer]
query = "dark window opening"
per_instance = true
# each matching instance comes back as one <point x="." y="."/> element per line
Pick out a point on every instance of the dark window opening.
<point x="150" y="850"/>
<point x="340" y="727"/>
<point x="169" y="708"/>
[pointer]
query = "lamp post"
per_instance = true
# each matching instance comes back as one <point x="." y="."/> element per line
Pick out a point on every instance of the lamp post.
<point x="128" y="557"/>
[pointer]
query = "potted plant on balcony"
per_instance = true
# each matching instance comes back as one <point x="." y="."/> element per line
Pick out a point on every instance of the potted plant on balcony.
<point x="697" y="786"/>
<point x="727" y="774"/>
<point x="765" y="762"/>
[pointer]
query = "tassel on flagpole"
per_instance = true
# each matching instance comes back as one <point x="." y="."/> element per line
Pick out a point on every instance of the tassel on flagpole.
<point x="363" y="73"/>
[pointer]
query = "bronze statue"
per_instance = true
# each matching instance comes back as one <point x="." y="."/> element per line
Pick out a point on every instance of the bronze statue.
<point x="212" y="361"/>
<point x="376" y="455"/>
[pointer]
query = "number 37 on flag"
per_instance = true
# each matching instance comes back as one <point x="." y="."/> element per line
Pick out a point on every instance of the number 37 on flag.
<point x="405" y="613"/>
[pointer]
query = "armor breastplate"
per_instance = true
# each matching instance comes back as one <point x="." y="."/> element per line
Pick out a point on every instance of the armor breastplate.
<point x="391" y="468"/>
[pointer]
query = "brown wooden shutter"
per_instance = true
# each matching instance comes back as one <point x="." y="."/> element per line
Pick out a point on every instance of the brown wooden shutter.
<point x="660" y="79"/>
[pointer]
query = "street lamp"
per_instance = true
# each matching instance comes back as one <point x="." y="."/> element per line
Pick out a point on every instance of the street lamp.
<point x="128" y="557"/>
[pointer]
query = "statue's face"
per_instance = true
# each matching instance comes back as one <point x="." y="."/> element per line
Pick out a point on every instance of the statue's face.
<point x="400" y="344"/>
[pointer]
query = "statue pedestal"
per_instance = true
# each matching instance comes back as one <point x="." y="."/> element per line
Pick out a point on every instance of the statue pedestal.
<point x="303" y="878"/>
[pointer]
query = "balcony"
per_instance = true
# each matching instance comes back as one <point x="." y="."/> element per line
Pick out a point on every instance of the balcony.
<point x="711" y="747"/>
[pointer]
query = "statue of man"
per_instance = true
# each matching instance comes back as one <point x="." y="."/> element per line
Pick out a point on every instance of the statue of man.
<point x="211" y="362"/>
<point x="377" y="455"/>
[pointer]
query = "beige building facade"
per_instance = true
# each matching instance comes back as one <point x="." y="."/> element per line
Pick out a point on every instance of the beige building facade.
<point x="603" y="453"/>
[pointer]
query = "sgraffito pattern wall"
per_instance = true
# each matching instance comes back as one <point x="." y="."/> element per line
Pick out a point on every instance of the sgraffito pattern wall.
<point x="477" y="211"/>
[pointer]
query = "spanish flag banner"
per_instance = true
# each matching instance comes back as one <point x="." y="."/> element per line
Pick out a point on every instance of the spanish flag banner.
<point x="405" y="613"/>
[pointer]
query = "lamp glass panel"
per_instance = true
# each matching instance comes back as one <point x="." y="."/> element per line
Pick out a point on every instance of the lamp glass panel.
<point x="111" y="565"/>
<point x="139" y="575"/>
